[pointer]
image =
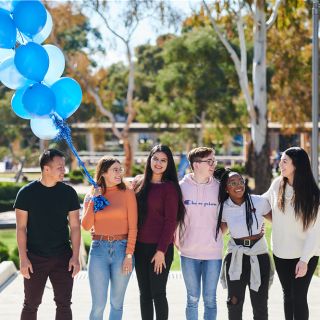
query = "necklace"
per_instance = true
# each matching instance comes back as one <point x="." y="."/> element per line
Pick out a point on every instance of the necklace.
<point x="288" y="194"/>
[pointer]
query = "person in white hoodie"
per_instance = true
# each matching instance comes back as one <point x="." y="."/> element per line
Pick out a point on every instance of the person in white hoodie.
<point x="201" y="254"/>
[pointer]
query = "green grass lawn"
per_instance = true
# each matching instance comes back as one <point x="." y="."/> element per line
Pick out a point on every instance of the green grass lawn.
<point x="8" y="237"/>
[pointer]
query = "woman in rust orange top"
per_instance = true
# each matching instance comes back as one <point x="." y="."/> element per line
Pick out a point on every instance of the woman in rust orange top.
<point x="111" y="254"/>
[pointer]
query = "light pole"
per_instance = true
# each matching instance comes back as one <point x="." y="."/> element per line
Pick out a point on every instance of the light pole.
<point x="315" y="111"/>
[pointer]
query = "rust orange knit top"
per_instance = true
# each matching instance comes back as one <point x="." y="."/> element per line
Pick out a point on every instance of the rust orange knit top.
<point x="119" y="218"/>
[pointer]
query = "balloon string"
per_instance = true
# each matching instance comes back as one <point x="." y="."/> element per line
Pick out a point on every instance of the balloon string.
<point x="99" y="202"/>
<point x="65" y="134"/>
<point x="21" y="36"/>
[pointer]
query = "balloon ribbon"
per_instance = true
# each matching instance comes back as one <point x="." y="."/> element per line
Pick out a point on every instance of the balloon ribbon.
<point x="99" y="202"/>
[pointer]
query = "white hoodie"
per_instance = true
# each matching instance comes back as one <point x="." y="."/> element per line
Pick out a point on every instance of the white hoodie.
<point x="201" y="202"/>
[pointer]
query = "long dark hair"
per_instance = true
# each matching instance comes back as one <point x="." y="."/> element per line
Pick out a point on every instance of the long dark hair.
<point x="142" y="188"/>
<point x="103" y="166"/>
<point x="306" y="194"/>
<point x="223" y="175"/>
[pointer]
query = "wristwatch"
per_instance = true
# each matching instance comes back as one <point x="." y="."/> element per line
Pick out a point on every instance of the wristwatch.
<point x="129" y="256"/>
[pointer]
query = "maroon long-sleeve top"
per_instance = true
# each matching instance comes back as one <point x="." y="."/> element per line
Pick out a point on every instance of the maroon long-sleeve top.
<point x="161" y="218"/>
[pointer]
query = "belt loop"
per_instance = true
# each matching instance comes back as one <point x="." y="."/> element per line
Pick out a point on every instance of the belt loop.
<point x="101" y="237"/>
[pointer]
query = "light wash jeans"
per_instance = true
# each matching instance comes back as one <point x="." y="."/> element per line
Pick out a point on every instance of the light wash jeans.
<point x="104" y="266"/>
<point x="194" y="271"/>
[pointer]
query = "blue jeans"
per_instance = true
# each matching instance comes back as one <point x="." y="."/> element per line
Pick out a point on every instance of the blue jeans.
<point x="105" y="265"/>
<point x="193" y="271"/>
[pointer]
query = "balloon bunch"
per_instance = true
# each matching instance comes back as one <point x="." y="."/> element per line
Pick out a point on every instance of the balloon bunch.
<point x="35" y="71"/>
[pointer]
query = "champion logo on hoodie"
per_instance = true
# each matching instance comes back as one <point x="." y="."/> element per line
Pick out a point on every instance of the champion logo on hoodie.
<point x="197" y="203"/>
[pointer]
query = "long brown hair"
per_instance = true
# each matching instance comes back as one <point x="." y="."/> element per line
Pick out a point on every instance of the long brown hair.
<point x="103" y="166"/>
<point x="143" y="186"/>
<point x="306" y="194"/>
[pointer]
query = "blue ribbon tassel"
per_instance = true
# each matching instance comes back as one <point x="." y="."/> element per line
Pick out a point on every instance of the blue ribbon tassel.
<point x="99" y="202"/>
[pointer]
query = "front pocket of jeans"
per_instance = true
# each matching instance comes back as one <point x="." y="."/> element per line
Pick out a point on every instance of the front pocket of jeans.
<point x="95" y="244"/>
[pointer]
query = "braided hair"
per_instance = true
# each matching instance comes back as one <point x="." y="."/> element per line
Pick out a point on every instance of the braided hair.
<point x="223" y="176"/>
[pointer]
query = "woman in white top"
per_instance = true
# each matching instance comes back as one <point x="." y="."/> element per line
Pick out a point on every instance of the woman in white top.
<point x="247" y="262"/>
<point x="294" y="199"/>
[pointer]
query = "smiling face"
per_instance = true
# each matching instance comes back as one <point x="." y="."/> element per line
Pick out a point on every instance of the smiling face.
<point x="55" y="169"/>
<point x="159" y="163"/>
<point x="236" y="188"/>
<point x="204" y="167"/>
<point x="113" y="176"/>
<point x="286" y="166"/>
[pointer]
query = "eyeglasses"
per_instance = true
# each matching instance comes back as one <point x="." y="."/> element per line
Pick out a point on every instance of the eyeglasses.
<point x="236" y="183"/>
<point x="162" y="161"/>
<point x="210" y="162"/>
<point x="118" y="170"/>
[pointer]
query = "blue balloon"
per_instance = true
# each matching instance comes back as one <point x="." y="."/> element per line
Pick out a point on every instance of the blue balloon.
<point x="8" y="31"/>
<point x="10" y="76"/>
<point x="17" y="104"/>
<point x="56" y="64"/>
<point x="44" y="128"/>
<point x="30" y="16"/>
<point x="39" y="100"/>
<point x="68" y="96"/>
<point x="45" y="32"/>
<point x="32" y="61"/>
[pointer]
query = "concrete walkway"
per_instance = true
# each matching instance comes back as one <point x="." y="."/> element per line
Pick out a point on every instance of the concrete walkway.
<point x="11" y="298"/>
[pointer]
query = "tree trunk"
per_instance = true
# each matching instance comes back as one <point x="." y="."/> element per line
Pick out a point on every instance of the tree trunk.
<point x="261" y="170"/>
<point x="127" y="156"/>
<point x="258" y="166"/>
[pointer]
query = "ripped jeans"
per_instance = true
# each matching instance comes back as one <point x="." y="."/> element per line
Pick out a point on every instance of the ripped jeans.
<point x="237" y="289"/>
<point x="194" y="271"/>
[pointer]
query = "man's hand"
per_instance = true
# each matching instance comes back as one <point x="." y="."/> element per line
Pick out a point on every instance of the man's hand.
<point x="74" y="265"/>
<point x="25" y="267"/>
<point x="159" y="262"/>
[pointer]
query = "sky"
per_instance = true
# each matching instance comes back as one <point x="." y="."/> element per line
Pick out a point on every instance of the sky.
<point x="145" y="33"/>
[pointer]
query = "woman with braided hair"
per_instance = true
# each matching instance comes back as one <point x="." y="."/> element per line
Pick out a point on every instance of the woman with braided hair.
<point x="247" y="262"/>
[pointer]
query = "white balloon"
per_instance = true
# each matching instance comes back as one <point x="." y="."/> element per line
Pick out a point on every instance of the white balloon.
<point x="5" y="54"/>
<point x="44" y="128"/>
<point x="56" y="64"/>
<point x="10" y="76"/>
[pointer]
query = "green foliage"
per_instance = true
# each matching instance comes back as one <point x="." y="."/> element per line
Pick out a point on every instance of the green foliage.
<point x="76" y="176"/>
<point x="14" y="256"/>
<point x="9" y="190"/>
<point x="8" y="193"/>
<point x="137" y="168"/>
<point x="191" y="76"/>
<point x="6" y="205"/>
<point x="4" y="252"/>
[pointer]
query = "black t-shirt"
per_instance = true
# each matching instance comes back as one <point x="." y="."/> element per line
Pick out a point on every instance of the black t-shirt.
<point x="48" y="208"/>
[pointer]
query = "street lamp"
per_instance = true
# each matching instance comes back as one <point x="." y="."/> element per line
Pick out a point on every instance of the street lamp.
<point x="315" y="111"/>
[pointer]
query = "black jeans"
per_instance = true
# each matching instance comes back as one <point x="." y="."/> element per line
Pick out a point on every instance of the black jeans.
<point x="237" y="289"/>
<point x="152" y="286"/>
<point x="56" y="268"/>
<point x="295" y="290"/>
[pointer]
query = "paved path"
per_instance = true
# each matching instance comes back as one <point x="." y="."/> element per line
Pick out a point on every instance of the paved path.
<point x="12" y="296"/>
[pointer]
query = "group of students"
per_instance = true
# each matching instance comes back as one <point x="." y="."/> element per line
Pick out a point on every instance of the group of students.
<point x="145" y="220"/>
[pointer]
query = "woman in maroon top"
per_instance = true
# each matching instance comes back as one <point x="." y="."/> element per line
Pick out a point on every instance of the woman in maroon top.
<point x="160" y="209"/>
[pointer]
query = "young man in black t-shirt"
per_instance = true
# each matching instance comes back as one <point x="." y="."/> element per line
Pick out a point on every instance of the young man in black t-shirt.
<point x="45" y="209"/>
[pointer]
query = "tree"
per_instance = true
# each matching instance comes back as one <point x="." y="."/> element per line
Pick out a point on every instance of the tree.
<point x="290" y="55"/>
<point x="132" y="13"/>
<point x="190" y="87"/>
<point x="259" y="163"/>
